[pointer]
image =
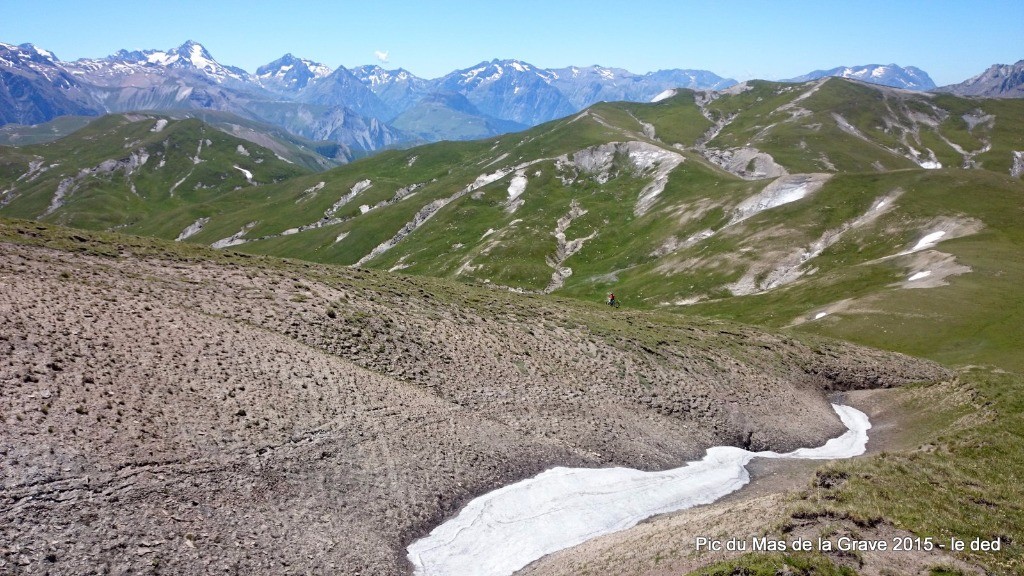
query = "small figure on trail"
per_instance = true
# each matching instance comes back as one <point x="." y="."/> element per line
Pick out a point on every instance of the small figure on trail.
<point x="612" y="301"/>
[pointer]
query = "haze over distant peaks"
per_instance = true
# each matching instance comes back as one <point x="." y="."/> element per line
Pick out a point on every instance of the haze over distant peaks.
<point x="894" y="75"/>
<point x="359" y="107"/>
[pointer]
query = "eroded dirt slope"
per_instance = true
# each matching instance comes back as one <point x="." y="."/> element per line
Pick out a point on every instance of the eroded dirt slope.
<point x="187" y="416"/>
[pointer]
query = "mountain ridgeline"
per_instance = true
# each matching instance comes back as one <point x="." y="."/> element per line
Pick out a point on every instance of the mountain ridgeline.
<point x="353" y="107"/>
<point x="811" y="193"/>
<point x="362" y="109"/>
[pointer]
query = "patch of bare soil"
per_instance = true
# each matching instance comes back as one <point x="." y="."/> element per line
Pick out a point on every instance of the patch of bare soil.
<point x="162" y="416"/>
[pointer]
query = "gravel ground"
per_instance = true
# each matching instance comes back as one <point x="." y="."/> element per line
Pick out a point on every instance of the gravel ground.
<point x="189" y="417"/>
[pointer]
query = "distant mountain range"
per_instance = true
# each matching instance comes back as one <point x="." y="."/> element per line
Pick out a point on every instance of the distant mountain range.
<point x="362" y="109"/>
<point x="894" y="75"/>
<point x="999" y="81"/>
<point x="353" y="107"/>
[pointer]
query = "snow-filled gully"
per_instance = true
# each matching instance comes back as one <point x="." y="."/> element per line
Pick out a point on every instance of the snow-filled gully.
<point x="504" y="530"/>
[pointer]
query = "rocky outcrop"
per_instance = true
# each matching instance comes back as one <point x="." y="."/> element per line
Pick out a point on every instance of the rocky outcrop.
<point x="999" y="81"/>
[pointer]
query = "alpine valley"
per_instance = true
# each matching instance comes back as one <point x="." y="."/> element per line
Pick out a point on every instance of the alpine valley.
<point x="235" y="340"/>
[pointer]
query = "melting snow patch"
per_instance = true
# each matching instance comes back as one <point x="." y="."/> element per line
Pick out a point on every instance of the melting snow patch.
<point x="515" y="189"/>
<point x="777" y="272"/>
<point x="931" y="269"/>
<point x="340" y="237"/>
<point x="928" y="241"/>
<point x="517" y="186"/>
<point x="159" y="126"/>
<point x="248" y="174"/>
<point x="488" y="233"/>
<point x="782" y="190"/>
<point x="820" y="315"/>
<point x="364" y="209"/>
<point x="665" y="95"/>
<point x="504" y="530"/>
<point x="427" y="212"/>
<point x="241" y="150"/>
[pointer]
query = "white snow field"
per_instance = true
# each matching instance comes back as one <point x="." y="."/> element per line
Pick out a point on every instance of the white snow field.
<point x="504" y="530"/>
<point x="928" y="241"/>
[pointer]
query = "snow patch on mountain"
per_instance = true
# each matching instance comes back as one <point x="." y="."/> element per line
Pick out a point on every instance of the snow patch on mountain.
<point x="427" y="212"/>
<point x="246" y="173"/>
<point x="931" y="269"/>
<point x="892" y="75"/>
<point x="664" y="95"/>
<point x="768" y="275"/>
<point x="782" y="190"/>
<point x="516" y="187"/>
<point x="564" y="507"/>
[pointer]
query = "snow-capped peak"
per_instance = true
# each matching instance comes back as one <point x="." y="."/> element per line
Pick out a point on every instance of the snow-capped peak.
<point x="44" y="53"/>
<point x="29" y="56"/>
<point x="198" y="56"/>
<point x="288" y="62"/>
<point x="894" y="75"/>
<point x="291" y="73"/>
<point x="190" y="55"/>
<point x="373" y="75"/>
<point x="30" y="52"/>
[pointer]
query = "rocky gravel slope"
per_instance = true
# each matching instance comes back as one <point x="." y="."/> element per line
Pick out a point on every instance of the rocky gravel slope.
<point x="186" y="415"/>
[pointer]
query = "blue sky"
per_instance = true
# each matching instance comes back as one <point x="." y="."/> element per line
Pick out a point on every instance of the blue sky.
<point x="951" y="40"/>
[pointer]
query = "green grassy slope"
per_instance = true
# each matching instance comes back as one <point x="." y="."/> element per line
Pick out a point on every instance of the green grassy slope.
<point x="18" y="135"/>
<point x="120" y="171"/>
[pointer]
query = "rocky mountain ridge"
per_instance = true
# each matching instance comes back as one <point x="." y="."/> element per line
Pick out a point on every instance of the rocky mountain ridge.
<point x="999" y="81"/>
